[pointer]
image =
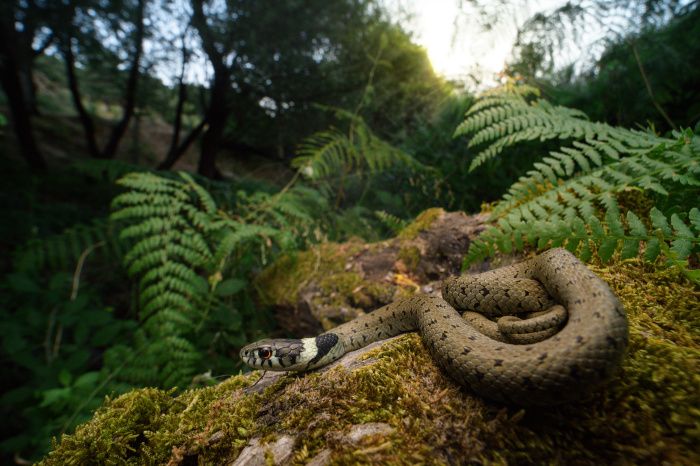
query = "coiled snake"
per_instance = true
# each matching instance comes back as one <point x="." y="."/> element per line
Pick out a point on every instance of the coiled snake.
<point x="573" y="341"/>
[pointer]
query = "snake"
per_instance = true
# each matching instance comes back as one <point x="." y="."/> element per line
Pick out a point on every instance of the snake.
<point x="540" y="332"/>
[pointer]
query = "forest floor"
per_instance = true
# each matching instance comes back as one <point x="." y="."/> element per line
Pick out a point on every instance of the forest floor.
<point x="389" y="403"/>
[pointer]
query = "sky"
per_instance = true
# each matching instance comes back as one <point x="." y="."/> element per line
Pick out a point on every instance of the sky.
<point x="458" y="46"/>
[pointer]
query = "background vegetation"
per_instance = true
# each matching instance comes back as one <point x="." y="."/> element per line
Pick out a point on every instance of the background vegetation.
<point x="309" y="122"/>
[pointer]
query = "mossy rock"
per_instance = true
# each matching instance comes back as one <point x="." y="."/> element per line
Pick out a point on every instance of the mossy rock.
<point x="411" y="413"/>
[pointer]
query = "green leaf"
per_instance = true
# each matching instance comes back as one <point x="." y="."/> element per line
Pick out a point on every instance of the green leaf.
<point x="230" y="287"/>
<point x="636" y="226"/>
<point x="597" y="230"/>
<point x="659" y="221"/>
<point x="607" y="249"/>
<point x="694" y="217"/>
<point x="64" y="377"/>
<point x="87" y="380"/>
<point x="682" y="247"/>
<point x="680" y="227"/>
<point x="54" y="396"/>
<point x="652" y="250"/>
<point x="586" y="253"/>
<point x="630" y="249"/>
<point x="612" y="218"/>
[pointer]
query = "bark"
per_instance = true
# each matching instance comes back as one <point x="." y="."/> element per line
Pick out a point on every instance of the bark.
<point x="218" y="109"/>
<point x="175" y="153"/>
<point x="176" y="149"/>
<point x="10" y="72"/>
<point x="85" y="119"/>
<point x="131" y="85"/>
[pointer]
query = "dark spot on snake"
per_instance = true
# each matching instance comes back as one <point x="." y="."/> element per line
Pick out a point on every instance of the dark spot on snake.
<point x="381" y="321"/>
<point x="391" y="327"/>
<point x="597" y="315"/>
<point x="269" y="362"/>
<point x="366" y="325"/>
<point x="466" y="350"/>
<point x="364" y="338"/>
<point x="485" y="292"/>
<point x="499" y="348"/>
<point x="611" y="341"/>
<point x="579" y="339"/>
<point x="293" y="359"/>
<point x="578" y="301"/>
<point x="444" y="336"/>
<point x="542" y="356"/>
<point x="529" y="348"/>
<point x="472" y="338"/>
<point x="354" y="330"/>
<point x="498" y="362"/>
<point x="479" y="375"/>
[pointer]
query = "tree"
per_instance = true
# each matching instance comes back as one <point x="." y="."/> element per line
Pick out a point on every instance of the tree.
<point x="80" y="18"/>
<point x="20" y="27"/>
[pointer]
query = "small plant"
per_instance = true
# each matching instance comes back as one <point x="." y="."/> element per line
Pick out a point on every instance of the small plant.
<point x="571" y="197"/>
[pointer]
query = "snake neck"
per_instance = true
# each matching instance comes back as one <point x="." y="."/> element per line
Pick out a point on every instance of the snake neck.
<point x="322" y="350"/>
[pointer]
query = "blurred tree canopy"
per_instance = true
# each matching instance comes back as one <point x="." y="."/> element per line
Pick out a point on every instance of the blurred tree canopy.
<point x="264" y="68"/>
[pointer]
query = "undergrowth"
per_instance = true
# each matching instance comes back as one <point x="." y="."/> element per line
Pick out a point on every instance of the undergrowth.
<point x="608" y="191"/>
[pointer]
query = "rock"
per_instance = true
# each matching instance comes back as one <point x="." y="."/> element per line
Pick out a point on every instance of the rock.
<point x="256" y="454"/>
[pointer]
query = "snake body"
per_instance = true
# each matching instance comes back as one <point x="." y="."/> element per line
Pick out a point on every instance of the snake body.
<point x="573" y="342"/>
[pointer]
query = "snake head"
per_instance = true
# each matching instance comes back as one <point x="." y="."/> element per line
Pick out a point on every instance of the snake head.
<point x="275" y="355"/>
<point x="293" y="355"/>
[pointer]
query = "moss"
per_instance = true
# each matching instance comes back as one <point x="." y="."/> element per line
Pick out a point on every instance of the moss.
<point x="422" y="222"/>
<point x="151" y="426"/>
<point x="410" y="256"/>
<point x="648" y="415"/>
<point x="281" y="282"/>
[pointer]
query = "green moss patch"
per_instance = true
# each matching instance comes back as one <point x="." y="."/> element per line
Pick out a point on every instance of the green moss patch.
<point x="649" y="414"/>
<point x="422" y="222"/>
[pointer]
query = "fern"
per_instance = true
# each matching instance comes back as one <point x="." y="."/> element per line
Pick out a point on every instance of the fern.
<point x="63" y="250"/>
<point x="332" y="152"/>
<point x="394" y="223"/>
<point x="570" y="198"/>
<point x="183" y="247"/>
<point x="502" y="119"/>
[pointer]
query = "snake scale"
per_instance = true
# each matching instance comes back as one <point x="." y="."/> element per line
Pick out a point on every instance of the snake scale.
<point x="572" y="341"/>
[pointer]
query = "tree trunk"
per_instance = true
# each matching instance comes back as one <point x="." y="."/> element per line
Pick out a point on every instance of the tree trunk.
<point x="85" y="119"/>
<point x="175" y="153"/>
<point x="216" y="116"/>
<point x="218" y="109"/>
<point x="131" y="84"/>
<point x="12" y="85"/>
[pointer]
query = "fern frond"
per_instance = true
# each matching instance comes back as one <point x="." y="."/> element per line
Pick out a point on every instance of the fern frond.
<point x="63" y="250"/>
<point x="328" y="153"/>
<point x="570" y="197"/>
<point x="508" y="119"/>
<point x="394" y="223"/>
<point x="626" y="235"/>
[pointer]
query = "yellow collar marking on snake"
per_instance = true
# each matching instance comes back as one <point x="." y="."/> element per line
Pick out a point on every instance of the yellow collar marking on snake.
<point x="572" y="341"/>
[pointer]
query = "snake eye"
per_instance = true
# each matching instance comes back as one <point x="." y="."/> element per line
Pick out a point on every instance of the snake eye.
<point x="265" y="353"/>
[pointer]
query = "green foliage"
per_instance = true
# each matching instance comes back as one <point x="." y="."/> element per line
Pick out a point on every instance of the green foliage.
<point x="615" y="89"/>
<point x="54" y="332"/>
<point x="571" y="198"/>
<point x="62" y="251"/>
<point x="502" y="119"/>
<point x="183" y="247"/>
